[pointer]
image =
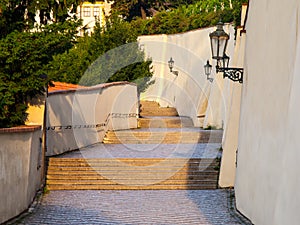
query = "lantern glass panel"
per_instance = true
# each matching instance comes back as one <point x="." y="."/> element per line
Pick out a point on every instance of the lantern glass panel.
<point x="225" y="61"/>
<point x="219" y="39"/>
<point x="222" y="45"/>
<point x="215" y="47"/>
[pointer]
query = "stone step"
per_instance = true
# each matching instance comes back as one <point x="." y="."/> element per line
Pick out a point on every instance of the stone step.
<point x="134" y="161"/>
<point x="165" y="122"/>
<point x="162" y="137"/>
<point x="151" y="108"/>
<point x="119" y="164"/>
<point x="157" y="167"/>
<point x="170" y="132"/>
<point x="131" y="182"/>
<point x="128" y="187"/>
<point x="186" y="141"/>
<point x="149" y="104"/>
<point x="182" y="186"/>
<point x="131" y="161"/>
<point x="158" y="112"/>
<point x="147" y="176"/>
<point x="136" y="169"/>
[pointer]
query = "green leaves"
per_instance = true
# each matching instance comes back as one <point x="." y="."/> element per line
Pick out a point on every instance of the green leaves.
<point x="24" y="56"/>
<point x="133" y="9"/>
<point x="107" y="55"/>
<point x="188" y="17"/>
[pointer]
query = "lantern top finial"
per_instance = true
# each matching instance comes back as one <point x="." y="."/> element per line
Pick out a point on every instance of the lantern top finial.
<point x="219" y="32"/>
<point x="220" y="25"/>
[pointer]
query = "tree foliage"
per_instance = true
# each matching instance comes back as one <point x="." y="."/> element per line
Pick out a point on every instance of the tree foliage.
<point x="107" y="55"/>
<point x="24" y="57"/>
<point x="51" y="49"/>
<point x="188" y="17"/>
<point x="21" y="15"/>
<point x="133" y="9"/>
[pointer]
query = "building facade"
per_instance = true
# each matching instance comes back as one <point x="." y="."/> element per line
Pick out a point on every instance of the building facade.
<point x="90" y="13"/>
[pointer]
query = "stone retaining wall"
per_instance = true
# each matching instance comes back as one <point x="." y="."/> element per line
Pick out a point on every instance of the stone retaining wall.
<point x="80" y="117"/>
<point x="21" y="170"/>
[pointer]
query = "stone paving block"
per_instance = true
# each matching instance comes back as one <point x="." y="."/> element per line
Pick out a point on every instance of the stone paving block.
<point x="133" y="207"/>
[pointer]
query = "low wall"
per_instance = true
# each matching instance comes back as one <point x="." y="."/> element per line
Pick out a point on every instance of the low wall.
<point x="21" y="170"/>
<point x="80" y="117"/>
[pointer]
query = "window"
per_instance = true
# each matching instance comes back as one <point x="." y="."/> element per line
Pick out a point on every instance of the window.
<point x="96" y="11"/>
<point x="86" y="11"/>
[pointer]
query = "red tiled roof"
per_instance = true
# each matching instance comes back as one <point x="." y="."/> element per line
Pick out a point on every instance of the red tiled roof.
<point x="61" y="86"/>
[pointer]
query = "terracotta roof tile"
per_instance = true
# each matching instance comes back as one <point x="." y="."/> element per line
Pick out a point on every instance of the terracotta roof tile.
<point x="61" y="86"/>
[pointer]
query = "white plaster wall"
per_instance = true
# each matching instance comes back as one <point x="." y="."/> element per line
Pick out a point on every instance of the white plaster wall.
<point x="215" y="112"/>
<point x="20" y="174"/>
<point x="190" y="90"/>
<point x="267" y="178"/>
<point x="75" y="119"/>
<point x="230" y="134"/>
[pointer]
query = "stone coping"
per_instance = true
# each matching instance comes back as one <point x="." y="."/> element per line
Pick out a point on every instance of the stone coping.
<point x="20" y="129"/>
<point x="91" y="88"/>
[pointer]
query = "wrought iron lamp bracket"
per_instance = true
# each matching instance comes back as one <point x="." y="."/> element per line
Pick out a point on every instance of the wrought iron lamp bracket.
<point x="210" y="79"/>
<point x="175" y="72"/>
<point x="234" y="74"/>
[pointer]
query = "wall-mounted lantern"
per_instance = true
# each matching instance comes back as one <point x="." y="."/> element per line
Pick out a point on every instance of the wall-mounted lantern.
<point x="142" y="47"/>
<point x="218" y="40"/>
<point x="171" y="66"/>
<point x="207" y="70"/>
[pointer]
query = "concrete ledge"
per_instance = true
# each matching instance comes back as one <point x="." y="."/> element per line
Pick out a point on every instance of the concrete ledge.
<point x="20" y="129"/>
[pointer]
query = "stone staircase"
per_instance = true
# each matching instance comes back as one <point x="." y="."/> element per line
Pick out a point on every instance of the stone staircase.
<point x="157" y="126"/>
<point x="154" y="117"/>
<point x="132" y="174"/>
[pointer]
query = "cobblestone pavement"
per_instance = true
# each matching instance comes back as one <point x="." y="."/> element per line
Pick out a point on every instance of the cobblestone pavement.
<point x="133" y="207"/>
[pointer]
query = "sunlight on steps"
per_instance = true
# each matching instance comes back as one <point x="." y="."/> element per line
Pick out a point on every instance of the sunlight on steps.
<point x="157" y="126"/>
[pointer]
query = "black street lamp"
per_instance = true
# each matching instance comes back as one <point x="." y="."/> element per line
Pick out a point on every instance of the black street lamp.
<point x="207" y="70"/>
<point x="171" y="66"/>
<point x="218" y="40"/>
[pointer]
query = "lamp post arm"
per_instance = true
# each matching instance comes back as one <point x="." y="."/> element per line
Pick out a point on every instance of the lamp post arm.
<point x="234" y="74"/>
